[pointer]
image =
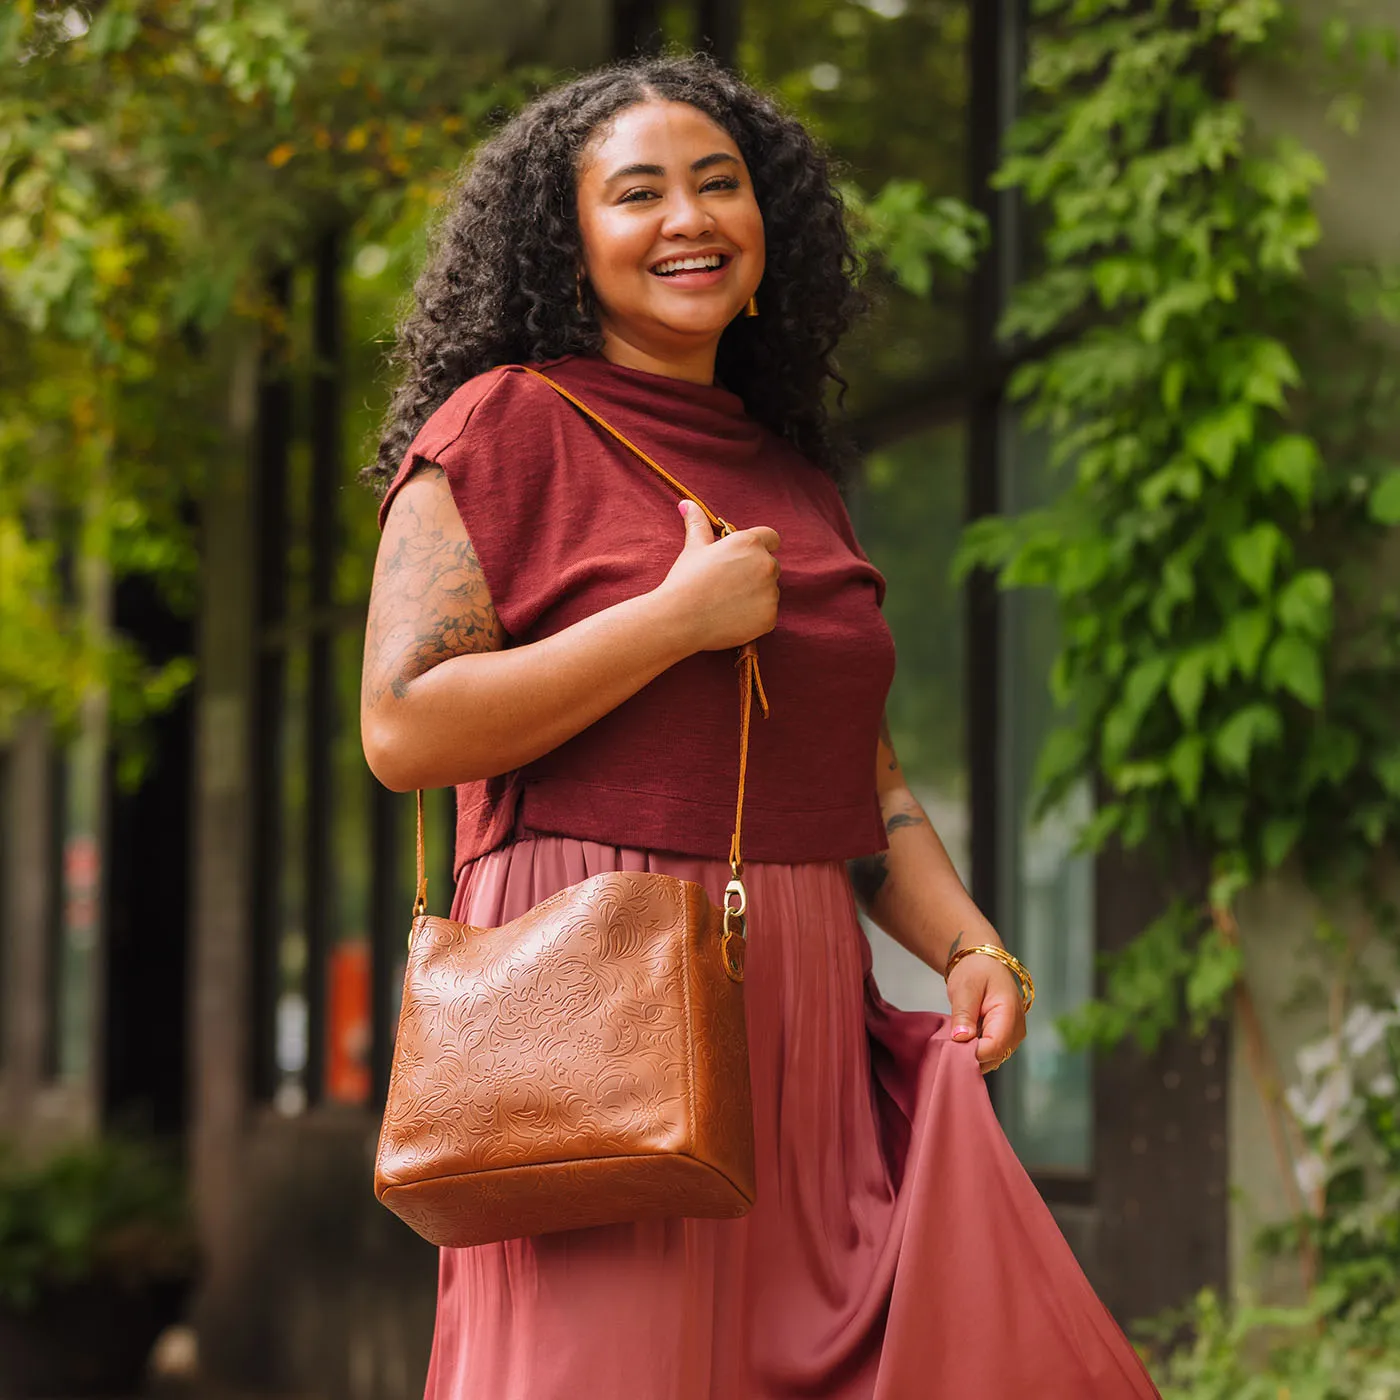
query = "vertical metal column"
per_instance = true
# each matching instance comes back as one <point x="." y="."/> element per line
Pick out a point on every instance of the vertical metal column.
<point x="717" y="24"/>
<point x="272" y="446"/>
<point x="994" y="51"/>
<point x="636" y="27"/>
<point x="324" y="537"/>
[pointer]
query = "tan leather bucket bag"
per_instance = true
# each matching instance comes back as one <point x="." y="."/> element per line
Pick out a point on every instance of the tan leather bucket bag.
<point x="584" y="1064"/>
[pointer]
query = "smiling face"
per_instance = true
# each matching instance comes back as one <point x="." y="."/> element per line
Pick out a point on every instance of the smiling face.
<point x="672" y="236"/>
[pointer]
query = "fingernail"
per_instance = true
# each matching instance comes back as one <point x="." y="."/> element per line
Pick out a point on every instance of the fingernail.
<point x="962" y="1034"/>
<point x="681" y="505"/>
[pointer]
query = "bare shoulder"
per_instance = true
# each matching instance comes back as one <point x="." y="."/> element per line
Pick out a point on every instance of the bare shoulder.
<point x="429" y="600"/>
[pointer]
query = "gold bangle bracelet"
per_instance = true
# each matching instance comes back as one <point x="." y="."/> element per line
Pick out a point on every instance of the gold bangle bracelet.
<point x="1007" y="960"/>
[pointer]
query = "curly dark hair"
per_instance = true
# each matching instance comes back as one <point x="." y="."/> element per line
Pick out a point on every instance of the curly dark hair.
<point x="500" y="287"/>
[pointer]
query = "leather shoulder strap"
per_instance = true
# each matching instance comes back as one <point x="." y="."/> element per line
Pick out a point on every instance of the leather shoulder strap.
<point x="723" y="526"/>
<point x="750" y="679"/>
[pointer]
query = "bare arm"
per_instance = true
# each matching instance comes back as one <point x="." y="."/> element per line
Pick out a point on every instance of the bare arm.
<point x="913" y="892"/>
<point x="444" y="701"/>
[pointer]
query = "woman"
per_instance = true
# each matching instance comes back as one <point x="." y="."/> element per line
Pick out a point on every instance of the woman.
<point x="547" y="633"/>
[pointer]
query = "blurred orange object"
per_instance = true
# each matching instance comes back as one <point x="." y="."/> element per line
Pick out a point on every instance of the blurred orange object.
<point x="347" y="1023"/>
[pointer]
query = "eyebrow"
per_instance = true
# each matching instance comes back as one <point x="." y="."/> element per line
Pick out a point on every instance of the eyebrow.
<point x="704" y="163"/>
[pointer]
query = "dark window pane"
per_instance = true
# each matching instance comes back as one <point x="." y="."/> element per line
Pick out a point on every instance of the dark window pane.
<point x="1045" y="1092"/>
<point x="909" y="513"/>
<point x="884" y="84"/>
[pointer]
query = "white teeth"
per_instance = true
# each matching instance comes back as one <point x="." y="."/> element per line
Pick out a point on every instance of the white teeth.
<point x="712" y="260"/>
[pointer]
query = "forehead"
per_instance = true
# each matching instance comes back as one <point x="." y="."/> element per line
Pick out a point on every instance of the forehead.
<point x="649" y="131"/>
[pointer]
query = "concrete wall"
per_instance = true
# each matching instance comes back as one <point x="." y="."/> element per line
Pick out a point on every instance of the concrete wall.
<point x="1359" y="207"/>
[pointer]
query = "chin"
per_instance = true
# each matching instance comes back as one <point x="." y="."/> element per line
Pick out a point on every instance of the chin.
<point x="698" y="325"/>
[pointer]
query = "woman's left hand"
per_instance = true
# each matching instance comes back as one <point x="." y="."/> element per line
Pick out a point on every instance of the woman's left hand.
<point x="986" y="999"/>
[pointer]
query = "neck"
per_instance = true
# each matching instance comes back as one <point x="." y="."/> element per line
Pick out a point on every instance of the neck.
<point x="696" y="364"/>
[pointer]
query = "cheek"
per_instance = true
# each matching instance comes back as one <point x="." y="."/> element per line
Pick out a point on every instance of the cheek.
<point x="748" y="230"/>
<point x="613" y="245"/>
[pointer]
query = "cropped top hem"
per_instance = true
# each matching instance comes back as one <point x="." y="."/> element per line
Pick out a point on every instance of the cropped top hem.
<point x="692" y="825"/>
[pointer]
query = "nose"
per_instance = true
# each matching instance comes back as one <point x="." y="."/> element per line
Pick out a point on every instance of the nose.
<point x="686" y="216"/>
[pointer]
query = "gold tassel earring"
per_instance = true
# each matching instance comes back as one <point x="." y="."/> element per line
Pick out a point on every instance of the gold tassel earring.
<point x="752" y="308"/>
<point x="578" y="292"/>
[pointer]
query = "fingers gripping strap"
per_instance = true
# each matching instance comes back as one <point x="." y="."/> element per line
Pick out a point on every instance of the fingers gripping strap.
<point x="750" y="679"/>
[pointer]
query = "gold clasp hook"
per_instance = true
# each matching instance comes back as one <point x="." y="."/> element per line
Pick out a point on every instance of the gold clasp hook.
<point x="733" y="941"/>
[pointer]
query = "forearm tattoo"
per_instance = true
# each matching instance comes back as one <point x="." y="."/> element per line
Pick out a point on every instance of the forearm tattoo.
<point x="430" y="602"/>
<point x="868" y="875"/>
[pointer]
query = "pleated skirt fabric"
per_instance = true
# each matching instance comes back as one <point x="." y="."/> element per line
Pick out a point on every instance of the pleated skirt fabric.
<point x="897" y="1249"/>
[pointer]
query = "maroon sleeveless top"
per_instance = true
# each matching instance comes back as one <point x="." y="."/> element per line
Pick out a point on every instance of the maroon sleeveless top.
<point x="566" y="522"/>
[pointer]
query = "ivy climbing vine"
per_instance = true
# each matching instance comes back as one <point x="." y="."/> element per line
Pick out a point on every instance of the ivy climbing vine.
<point x="1221" y="400"/>
<point x="1220" y="413"/>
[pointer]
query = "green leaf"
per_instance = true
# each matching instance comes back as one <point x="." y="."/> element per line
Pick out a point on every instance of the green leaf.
<point x="1228" y="879"/>
<point x="1247" y="729"/>
<point x="1279" y="836"/>
<point x="1245" y="636"/>
<point x="1385" y="499"/>
<point x="1305" y="604"/>
<point x="1188" y="685"/>
<point x="1387" y="769"/>
<point x="1142" y="686"/>
<point x="1292" y="463"/>
<point x="1271" y="370"/>
<point x="1178" y="586"/>
<point x="1293" y="664"/>
<point x="1332" y="753"/>
<point x="1216" y="438"/>
<point x="1215" y="969"/>
<point x="1063" y="754"/>
<point x="1113" y="277"/>
<point x="1145" y="682"/>
<point x="1186" y="764"/>
<point x="1173" y="385"/>
<point x="1254" y="554"/>
<point x="1371" y="821"/>
<point x="1145" y="773"/>
<point x="1099" y="828"/>
<point x="1180" y="298"/>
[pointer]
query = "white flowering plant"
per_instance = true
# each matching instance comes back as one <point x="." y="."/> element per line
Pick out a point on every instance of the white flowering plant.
<point x="1346" y="1105"/>
<point x="1344" y="1343"/>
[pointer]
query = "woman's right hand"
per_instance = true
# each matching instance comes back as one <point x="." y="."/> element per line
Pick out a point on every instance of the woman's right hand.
<point x="724" y="591"/>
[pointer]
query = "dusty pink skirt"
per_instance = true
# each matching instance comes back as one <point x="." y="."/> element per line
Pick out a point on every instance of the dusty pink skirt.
<point x="897" y="1250"/>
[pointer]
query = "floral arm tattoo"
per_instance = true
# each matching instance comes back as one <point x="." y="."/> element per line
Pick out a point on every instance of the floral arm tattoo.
<point x="430" y="602"/>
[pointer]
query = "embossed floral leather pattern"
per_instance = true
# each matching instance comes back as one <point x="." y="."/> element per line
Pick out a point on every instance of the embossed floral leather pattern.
<point x="581" y="1065"/>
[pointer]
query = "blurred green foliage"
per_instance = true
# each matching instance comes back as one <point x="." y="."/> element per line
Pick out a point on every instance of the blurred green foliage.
<point x="159" y="158"/>
<point x="111" y="1208"/>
